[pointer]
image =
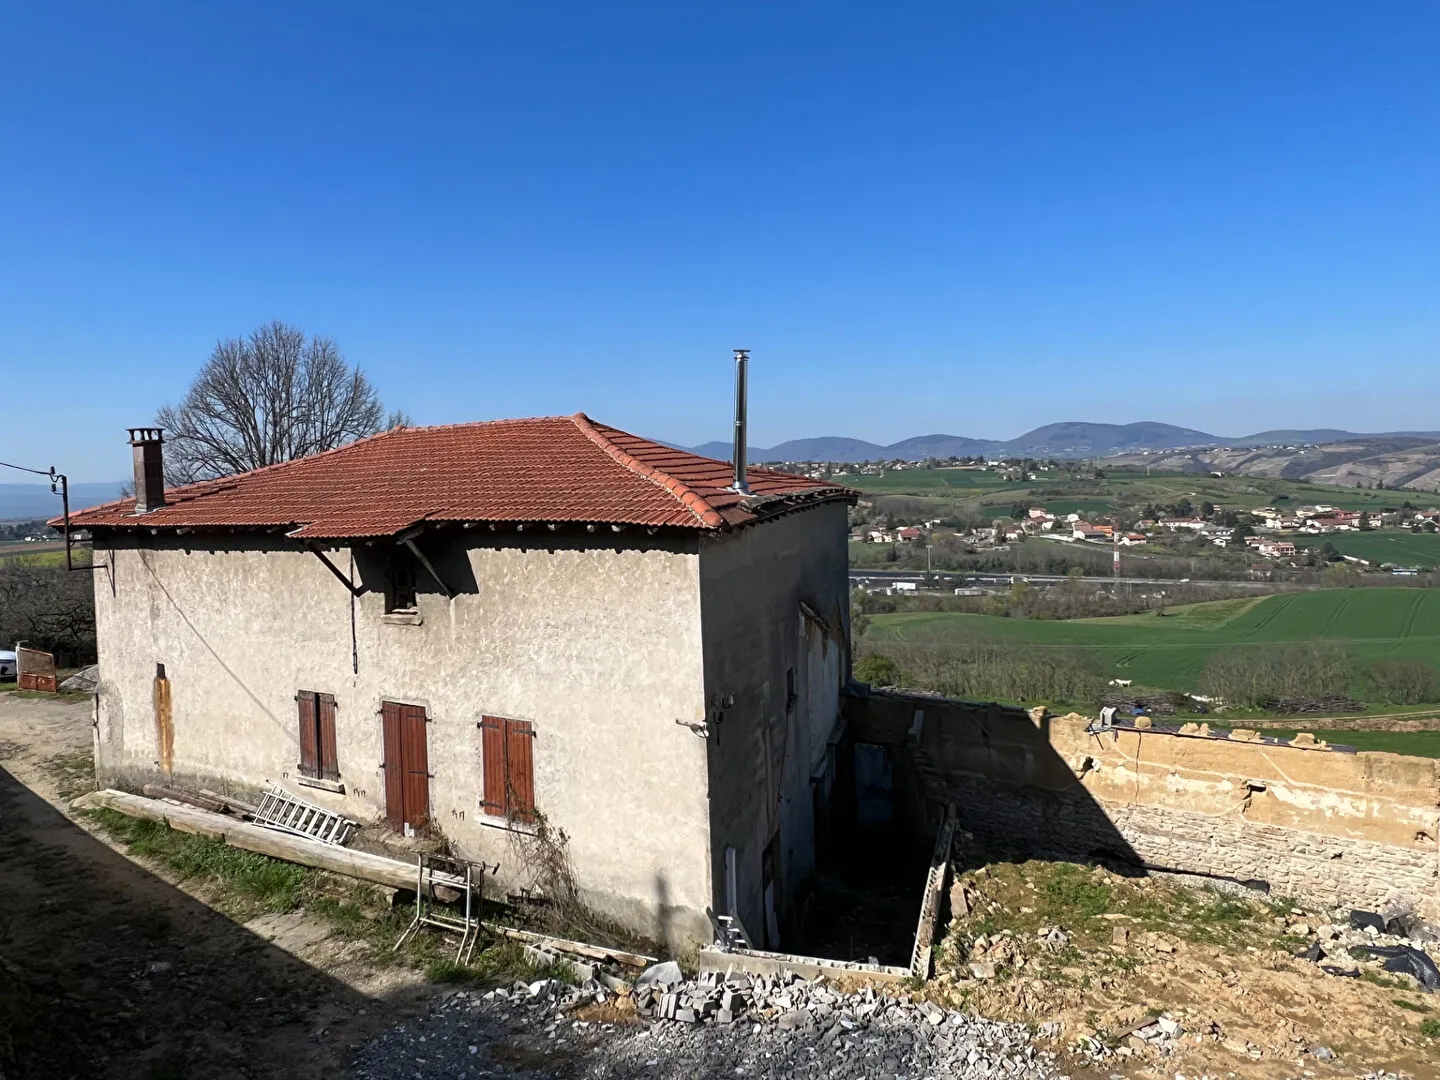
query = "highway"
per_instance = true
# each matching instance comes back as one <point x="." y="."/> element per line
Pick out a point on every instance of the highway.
<point x="951" y="578"/>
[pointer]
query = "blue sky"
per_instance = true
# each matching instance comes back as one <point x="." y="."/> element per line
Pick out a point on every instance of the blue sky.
<point x="969" y="218"/>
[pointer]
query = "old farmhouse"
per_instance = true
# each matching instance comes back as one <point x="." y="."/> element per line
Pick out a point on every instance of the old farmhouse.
<point x="469" y="628"/>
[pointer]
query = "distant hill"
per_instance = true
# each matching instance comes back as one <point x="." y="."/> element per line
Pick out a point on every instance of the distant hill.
<point x="21" y="502"/>
<point x="1068" y="439"/>
<point x="1394" y="461"/>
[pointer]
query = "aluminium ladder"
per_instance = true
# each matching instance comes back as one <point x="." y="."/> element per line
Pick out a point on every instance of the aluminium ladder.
<point x="280" y="810"/>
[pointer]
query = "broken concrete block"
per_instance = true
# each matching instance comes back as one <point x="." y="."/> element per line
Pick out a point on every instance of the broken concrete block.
<point x="1120" y="935"/>
<point x="724" y="1016"/>
<point x="794" y="1020"/>
<point x="983" y="970"/>
<point x="1303" y="738"/>
<point x="1168" y="1026"/>
<point x="664" y="974"/>
<point x="612" y="983"/>
<point x="686" y="1016"/>
<point x="1245" y="735"/>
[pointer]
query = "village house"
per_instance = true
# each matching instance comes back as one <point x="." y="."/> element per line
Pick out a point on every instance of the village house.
<point x="1084" y="530"/>
<point x="1276" y="549"/>
<point x="468" y="629"/>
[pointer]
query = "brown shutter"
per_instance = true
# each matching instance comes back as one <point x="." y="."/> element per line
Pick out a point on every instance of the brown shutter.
<point x="394" y="765"/>
<point x="520" y="762"/>
<point x="492" y="750"/>
<point x="309" y="766"/>
<point x="326" y="761"/>
<point x="417" y="767"/>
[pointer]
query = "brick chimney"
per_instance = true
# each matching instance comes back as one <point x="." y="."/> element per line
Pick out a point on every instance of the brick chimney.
<point x="149" y="469"/>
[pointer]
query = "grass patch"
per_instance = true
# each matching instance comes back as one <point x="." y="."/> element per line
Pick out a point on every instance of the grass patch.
<point x="1069" y="890"/>
<point x="254" y="883"/>
<point x="1412" y="1006"/>
<point x="257" y="881"/>
<point x="1430" y="1028"/>
<point x="1089" y="904"/>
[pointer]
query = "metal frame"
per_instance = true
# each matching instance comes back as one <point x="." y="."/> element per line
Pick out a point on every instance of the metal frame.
<point x="447" y="872"/>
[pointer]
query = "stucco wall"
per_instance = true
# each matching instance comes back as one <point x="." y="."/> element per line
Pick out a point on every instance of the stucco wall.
<point x="1325" y="825"/>
<point x="598" y="645"/>
<point x="763" y="749"/>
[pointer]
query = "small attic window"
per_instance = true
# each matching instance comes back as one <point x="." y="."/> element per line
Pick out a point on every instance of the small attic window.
<point x="400" y="596"/>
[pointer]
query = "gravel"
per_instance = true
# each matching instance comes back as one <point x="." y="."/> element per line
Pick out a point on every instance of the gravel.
<point x="773" y="1027"/>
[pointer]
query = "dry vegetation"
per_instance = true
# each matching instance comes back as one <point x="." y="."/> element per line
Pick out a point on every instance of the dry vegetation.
<point x="1222" y="965"/>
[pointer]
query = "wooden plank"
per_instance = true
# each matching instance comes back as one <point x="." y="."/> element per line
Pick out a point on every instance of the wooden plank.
<point x="238" y="805"/>
<point x="241" y="834"/>
<point x="580" y="948"/>
<point x="192" y="798"/>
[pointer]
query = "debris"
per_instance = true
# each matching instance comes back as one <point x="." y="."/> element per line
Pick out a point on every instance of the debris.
<point x="663" y="975"/>
<point x="84" y="681"/>
<point x="1359" y="920"/>
<point x="1120" y="935"/>
<point x="579" y="948"/>
<point x="1406" y="960"/>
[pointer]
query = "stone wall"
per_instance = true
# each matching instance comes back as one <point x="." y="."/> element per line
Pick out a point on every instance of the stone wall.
<point x="1315" y="823"/>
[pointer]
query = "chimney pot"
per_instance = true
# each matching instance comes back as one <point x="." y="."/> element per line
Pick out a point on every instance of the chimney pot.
<point x="149" y="468"/>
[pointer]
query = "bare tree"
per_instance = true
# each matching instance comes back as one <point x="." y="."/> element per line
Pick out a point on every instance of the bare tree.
<point x="272" y="397"/>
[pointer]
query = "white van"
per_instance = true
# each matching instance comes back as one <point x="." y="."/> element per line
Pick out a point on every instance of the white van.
<point x="8" y="664"/>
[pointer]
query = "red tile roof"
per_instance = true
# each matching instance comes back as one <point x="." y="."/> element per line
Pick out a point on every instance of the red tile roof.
<point x="552" y="469"/>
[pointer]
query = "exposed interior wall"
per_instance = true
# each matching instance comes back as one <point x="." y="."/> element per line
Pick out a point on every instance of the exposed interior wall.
<point x="1320" y="824"/>
<point x="768" y="752"/>
<point x="598" y="644"/>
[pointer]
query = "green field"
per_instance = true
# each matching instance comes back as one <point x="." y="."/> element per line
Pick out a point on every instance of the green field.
<point x="1122" y="488"/>
<point x="1396" y="546"/>
<point x="32" y="554"/>
<point x="1170" y="651"/>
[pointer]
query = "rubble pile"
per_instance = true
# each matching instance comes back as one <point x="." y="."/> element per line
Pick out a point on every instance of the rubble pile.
<point x="720" y="1024"/>
<point x="1398" y="945"/>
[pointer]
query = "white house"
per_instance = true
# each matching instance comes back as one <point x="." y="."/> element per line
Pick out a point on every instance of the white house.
<point x="465" y="628"/>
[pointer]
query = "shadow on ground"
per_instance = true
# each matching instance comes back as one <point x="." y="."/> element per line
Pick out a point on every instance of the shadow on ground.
<point x="107" y="970"/>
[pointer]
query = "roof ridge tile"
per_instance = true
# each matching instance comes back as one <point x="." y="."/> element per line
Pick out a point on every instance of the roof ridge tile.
<point x="682" y="491"/>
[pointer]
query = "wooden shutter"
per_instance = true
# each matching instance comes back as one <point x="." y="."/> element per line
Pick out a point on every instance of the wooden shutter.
<point x="416" y="754"/>
<point x="326" y="760"/>
<point x="394" y="768"/>
<point x="520" y="769"/>
<point x="492" y="751"/>
<point x="309" y="765"/>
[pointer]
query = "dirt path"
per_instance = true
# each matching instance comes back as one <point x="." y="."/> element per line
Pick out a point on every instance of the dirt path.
<point x="108" y="969"/>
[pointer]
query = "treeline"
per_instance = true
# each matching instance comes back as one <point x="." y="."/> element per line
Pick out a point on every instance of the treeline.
<point x="49" y="608"/>
<point x="19" y="530"/>
<point x="986" y="671"/>
<point x="1298" y="677"/>
<point x="1269" y="676"/>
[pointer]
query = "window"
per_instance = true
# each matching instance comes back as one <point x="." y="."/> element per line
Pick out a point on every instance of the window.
<point x="509" y="768"/>
<point x="402" y="581"/>
<point x="317" y="736"/>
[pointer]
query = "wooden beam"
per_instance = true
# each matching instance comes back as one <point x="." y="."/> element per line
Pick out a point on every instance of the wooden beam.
<point x="420" y="555"/>
<point x="580" y="948"/>
<point x="241" y="834"/>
